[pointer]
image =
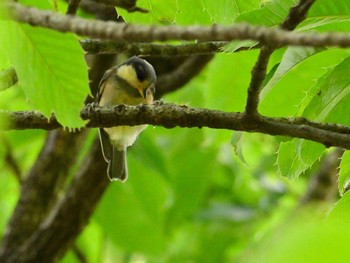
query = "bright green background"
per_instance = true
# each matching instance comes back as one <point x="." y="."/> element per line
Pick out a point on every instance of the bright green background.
<point x="198" y="195"/>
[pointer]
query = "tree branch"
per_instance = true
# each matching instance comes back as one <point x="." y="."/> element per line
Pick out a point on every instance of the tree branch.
<point x="295" y="16"/>
<point x="141" y="33"/>
<point x="73" y="6"/>
<point x="71" y="214"/>
<point x="40" y="188"/>
<point x="96" y="46"/>
<point x="171" y="115"/>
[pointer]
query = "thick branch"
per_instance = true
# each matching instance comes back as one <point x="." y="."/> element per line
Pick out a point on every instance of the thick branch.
<point x="170" y="116"/>
<point x="40" y="188"/>
<point x="72" y="213"/>
<point x="142" y="33"/>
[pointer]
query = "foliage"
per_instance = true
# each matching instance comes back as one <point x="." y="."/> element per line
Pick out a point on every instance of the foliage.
<point x="191" y="195"/>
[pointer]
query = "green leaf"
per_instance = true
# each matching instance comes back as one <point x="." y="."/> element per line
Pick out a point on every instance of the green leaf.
<point x="330" y="97"/>
<point x="189" y="12"/>
<point x="160" y="12"/>
<point x="296" y="156"/>
<point x="272" y="14"/>
<point x="340" y="214"/>
<point x="228" y="79"/>
<point x="344" y="172"/>
<point x="237" y="44"/>
<point x="225" y="11"/>
<point x="326" y="15"/>
<point x="295" y="77"/>
<point x="292" y="57"/>
<point x="50" y="68"/>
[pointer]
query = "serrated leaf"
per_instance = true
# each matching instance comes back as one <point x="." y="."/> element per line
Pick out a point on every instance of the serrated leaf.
<point x="296" y="156"/>
<point x="297" y="82"/>
<point x="237" y="44"/>
<point x="344" y="172"/>
<point x="272" y="14"/>
<point x="329" y="103"/>
<point x="291" y="58"/>
<point x="225" y="11"/>
<point x="340" y="213"/>
<point x="332" y="100"/>
<point x="50" y="68"/>
<point x="326" y="15"/>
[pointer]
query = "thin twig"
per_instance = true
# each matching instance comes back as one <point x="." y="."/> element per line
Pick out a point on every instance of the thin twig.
<point x="96" y="46"/>
<point x="73" y="6"/>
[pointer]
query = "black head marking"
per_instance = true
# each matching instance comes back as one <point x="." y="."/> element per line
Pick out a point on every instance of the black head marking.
<point x="140" y="67"/>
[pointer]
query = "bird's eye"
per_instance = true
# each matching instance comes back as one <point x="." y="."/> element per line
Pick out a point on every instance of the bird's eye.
<point x="141" y="72"/>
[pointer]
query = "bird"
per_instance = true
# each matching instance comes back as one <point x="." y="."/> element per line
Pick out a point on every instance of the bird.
<point x="131" y="82"/>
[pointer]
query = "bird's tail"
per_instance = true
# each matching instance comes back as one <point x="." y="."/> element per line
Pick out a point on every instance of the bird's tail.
<point x="117" y="166"/>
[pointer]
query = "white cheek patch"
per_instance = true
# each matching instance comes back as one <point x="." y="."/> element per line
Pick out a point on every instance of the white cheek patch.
<point x="127" y="73"/>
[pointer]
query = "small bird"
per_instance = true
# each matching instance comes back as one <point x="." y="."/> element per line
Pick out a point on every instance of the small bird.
<point x="132" y="83"/>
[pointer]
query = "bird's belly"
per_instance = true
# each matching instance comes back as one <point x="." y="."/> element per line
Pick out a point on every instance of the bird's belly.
<point x="124" y="136"/>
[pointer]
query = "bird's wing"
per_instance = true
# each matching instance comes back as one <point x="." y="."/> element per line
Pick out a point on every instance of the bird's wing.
<point x="101" y="85"/>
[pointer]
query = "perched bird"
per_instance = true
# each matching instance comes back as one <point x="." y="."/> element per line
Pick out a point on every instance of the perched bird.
<point x="132" y="83"/>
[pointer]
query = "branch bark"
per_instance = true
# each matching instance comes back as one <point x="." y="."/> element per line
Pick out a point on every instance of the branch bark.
<point x="40" y="188"/>
<point x="141" y="33"/>
<point x="171" y="115"/>
<point x="96" y="46"/>
<point x="71" y="214"/>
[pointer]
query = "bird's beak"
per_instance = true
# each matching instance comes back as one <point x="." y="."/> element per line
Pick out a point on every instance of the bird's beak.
<point x="140" y="90"/>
